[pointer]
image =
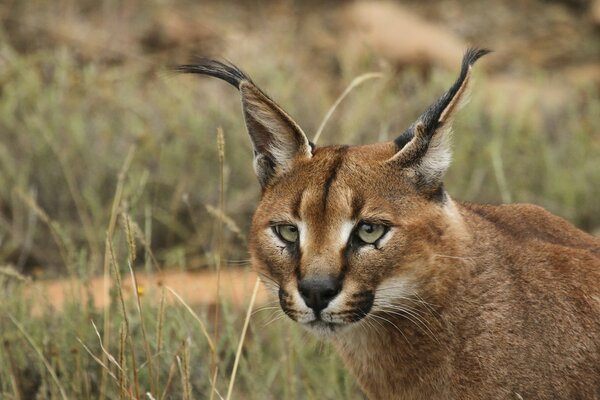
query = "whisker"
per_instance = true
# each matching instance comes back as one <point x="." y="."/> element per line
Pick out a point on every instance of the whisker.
<point x="366" y="321"/>
<point x="413" y="317"/>
<point x="238" y="262"/>
<point x="268" y="278"/>
<point x="277" y="318"/>
<point x="457" y="257"/>
<point x="429" y="306"/>
<point x="264" y="309"/>
<point x="273" y="313"/>
<point x="391" y="323"/>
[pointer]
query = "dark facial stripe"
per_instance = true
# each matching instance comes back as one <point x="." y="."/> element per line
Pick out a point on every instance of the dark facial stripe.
<point x="296" y="205"/>
<point x="337" y="163"/>
<point x="297" y="257"/>
<point x="358" y="202"/>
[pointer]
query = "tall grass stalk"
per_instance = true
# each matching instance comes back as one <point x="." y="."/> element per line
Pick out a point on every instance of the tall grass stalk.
<point x="159" y="332"/>
<point x="136" y="294"/>
<point x="107" y="256"/>
<point x="219" y="253"/>
<point x="355" y="83"/>
<point x="238" y="353"/>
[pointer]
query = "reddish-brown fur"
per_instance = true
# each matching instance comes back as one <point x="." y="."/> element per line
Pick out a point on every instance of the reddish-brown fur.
<point x="454" y="300"/>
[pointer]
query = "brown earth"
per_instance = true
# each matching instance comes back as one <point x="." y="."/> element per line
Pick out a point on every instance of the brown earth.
<point x="195" y="288"/>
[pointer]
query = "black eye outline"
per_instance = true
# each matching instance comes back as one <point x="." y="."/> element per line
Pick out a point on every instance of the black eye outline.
<point x="277" y="230"/>
<point x="357" y="239"/>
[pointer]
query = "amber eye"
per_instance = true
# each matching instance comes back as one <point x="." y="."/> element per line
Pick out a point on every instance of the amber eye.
<point x="370" y="233"/>
<point x="287" y="233"/>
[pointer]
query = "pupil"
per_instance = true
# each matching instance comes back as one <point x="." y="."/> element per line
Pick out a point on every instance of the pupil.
<point x="368" y="228"/>
<point x="292" y="229"/>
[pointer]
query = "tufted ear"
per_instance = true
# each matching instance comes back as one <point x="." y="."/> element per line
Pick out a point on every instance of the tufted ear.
<point x="276" y="138"/>
<point x="425" y="146"/>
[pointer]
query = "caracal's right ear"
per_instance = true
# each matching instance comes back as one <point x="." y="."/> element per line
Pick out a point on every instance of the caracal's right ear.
<point x="276" y="138"/>
<point x="424" y="148"/>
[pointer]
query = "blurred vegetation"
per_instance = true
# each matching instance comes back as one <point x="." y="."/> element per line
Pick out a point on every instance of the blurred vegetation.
<point x="85" y="86"/>
<point x="82" y="83"/>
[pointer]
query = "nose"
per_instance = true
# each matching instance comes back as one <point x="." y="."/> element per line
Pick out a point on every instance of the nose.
<point x="318" y="291"/>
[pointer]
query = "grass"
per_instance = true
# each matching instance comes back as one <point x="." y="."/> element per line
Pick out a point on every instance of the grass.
<point x="108" y="168"/>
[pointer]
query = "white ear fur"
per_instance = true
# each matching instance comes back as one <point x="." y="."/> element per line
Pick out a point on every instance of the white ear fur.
<point x="428" y="152"/>
<point x="437" y="159"/>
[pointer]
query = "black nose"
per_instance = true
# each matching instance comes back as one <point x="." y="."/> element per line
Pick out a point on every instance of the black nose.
<point x="318" y="291"/>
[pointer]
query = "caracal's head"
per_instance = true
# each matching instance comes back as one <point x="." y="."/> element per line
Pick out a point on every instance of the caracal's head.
<point x="342" y="233"/>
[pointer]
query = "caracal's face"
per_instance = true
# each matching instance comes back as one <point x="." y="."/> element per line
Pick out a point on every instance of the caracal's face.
<point x="344" y="234"/>
<point x="337" y="237"/>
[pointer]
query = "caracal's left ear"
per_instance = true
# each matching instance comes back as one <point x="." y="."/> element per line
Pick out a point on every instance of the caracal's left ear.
<point x="276" y="138"/>
<point x="424" y="148"/>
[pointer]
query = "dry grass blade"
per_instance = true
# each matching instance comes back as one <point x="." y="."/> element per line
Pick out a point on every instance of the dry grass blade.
<point x="202" y="326"/>
<point x="355" y="82"/>
<point x="107" y="256"/>
<point x="221" y="145"/>
<point x="131" y="247"/>
<point x="159" y="329"/>
<point x="61" y="240"/>
<point x="238" y="353"/>
<point x="499" y="173"/>
<point x="171" y="373"/>
<point x="98" y="360"/>
<point x="184" y="365"/>
<point x="39" y="353"/>
<point x="123" y="384"/>
<point x="11" y="272"/>
<point x="136" y="293"/>
<point x="229" y="223"/>
<point x="213" y="383"/>
<point x="139" y="235"/>
<point x="110" y="357"/>
<point x="219" y="253"/>
<point x="113" y="262"/>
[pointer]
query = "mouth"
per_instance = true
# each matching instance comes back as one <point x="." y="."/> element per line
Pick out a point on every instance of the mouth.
<point x="324" y="328"/>
<point x="325" y="322"/>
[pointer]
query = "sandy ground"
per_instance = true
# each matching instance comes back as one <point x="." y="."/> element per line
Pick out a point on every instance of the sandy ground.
<point x="195" y="288"/>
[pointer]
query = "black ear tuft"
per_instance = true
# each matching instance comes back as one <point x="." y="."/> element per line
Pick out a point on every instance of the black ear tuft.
<point x="218" y="69"/>
<point x="404" y="138"/>
<point x="432" y="117"/>
<point x="425" y="146"/>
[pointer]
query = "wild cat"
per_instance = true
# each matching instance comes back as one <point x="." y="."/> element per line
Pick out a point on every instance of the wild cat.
<point x="424" y="297"/>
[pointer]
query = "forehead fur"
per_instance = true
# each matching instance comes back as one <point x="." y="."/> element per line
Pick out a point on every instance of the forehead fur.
<point x="337" y="179"/>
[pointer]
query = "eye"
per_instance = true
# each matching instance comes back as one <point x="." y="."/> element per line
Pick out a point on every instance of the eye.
<point x="287" y="233"/>
<point x="370" y="233"/>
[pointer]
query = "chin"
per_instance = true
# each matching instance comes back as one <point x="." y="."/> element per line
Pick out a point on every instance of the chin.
<point x="324" y="330"/>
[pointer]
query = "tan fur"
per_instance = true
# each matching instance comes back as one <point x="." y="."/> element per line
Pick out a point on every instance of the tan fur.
<point x="456" y="300"/>
<point x="508" y="296"/>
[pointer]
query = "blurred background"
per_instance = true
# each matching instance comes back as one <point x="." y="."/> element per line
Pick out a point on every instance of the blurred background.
<point x="110" y="160"/>
<point x="83" y="81"/>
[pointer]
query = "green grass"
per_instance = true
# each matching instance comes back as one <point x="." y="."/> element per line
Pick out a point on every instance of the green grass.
<point x="278" y="361"/>
<point x="68" y="124"/>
